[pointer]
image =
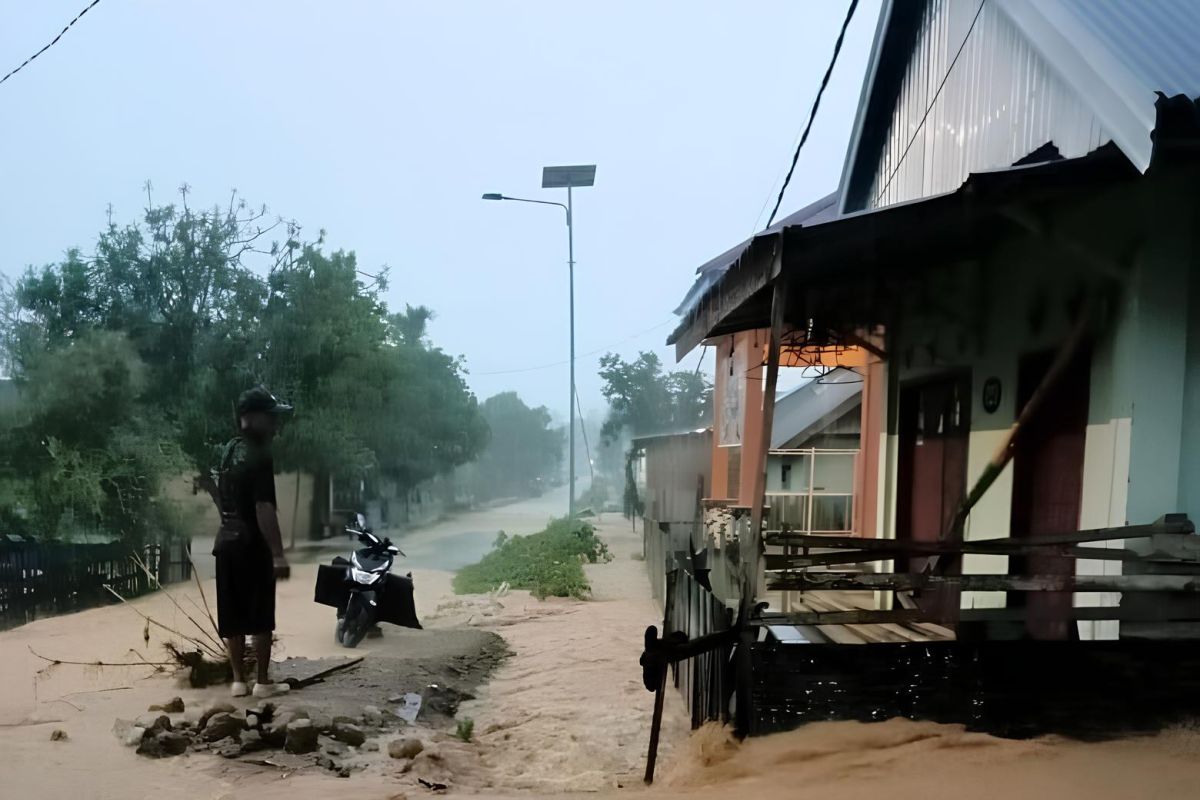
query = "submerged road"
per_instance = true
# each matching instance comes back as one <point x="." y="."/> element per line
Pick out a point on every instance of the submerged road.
<point x="466" y="537"/>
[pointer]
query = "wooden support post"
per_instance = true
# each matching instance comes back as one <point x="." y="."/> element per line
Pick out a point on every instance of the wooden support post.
<point x="656" y="725"/>
<point x="751" y="549"/>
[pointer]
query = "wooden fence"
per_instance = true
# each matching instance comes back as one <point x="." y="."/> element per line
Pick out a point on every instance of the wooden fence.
<point x="42" y="579"/>
<point x="705" y="680"/>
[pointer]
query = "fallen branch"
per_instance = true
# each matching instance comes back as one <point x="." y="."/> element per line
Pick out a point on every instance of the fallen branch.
<point x="54" y="662"/>
<point x="98" y="691"/>
<point x="215" y="641"/>
<point x="203" y="597"/>
<point x="199" y="643"/>
<point x="300" y="683"/>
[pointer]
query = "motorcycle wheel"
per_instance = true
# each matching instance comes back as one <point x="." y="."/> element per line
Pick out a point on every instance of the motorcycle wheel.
<point x="355" y="627"/>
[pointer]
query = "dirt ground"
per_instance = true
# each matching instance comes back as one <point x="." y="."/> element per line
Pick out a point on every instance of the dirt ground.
<point x="562" y="714"/>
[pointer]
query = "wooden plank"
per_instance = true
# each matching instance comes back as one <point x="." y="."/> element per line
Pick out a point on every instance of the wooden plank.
<point x="1164" y="529"/>
<point x="905" y="581"/>
<point x="918" y="616"/>
<point x="778" y="561"/>
<point x="836" y="633"/>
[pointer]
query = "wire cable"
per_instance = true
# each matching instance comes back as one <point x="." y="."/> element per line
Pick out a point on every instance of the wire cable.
<point x="583" y="429"/>
<point x="53" y="41"/>
<point x="812" y="114"/>
<point x="932" y="102"/>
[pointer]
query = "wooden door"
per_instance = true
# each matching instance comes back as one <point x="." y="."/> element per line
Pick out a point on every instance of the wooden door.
<point x="934" y="426"/>
<point x="1048" y="483"/>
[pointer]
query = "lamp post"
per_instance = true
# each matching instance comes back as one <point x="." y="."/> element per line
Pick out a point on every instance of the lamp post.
<point x="564" y="178"/>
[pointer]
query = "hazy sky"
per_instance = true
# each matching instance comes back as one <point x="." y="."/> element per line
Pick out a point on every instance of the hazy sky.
<point x="384" y="122"/>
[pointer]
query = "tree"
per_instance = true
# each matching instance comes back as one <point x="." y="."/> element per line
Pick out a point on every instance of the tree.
<point x="196" y="325"/>
<point x="524" y="451"/>
<point x="643" y="399"/>
<point x="85" y="453"/>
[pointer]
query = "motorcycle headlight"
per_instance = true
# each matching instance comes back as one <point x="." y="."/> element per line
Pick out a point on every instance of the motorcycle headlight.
<point x="360" y="576"/>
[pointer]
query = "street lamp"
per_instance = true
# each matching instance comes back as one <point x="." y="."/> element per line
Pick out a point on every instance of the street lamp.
<point x="564" y="178"/>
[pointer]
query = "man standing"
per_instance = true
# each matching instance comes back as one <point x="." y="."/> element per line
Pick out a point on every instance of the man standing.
<point x="249" y="546"/>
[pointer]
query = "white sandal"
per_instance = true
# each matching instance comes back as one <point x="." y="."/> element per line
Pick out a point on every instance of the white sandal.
<point x="239" y="689"/>
<point x="270" y="689"/>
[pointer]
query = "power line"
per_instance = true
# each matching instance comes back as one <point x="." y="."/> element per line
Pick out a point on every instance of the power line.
<point x="583" y="430"/>
<point x="812" y="114"/>
<point x="577" y="357"/>
<point x="932" y="102"/>
<point x="53" y="41"/>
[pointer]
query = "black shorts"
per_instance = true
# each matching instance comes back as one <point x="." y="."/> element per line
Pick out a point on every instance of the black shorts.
<point x="245" y="592"/>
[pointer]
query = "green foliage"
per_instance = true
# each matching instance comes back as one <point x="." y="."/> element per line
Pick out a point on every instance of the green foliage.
<point x="135" y="355"/>
<point x="465" y="729"/>
<point x="524" y="454"/>
<point x="84" y="455"/>
<point x="644" y="399"/>
<point x="548" y="563"/>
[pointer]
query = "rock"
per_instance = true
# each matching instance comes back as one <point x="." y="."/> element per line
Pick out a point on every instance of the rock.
<point x="172" y="706"/>
<point x="252" y="740"/>
<point x="58" y="735"/>
<point x="275" y="734"/>
<point x="344" y="720"/>
<point x="301" y="736"/>
<point x="151" y="747"/>
<point x="348" y="733"/>
<point x="334" y="748"/>
<point x="165" y="743"/>
<point x="214" y="709"/>
<point x="372" y="715"/>
<point x="154" y="722"/>
<point x="228" y="747"/>
<point x="371" y="746"/>
<point x="264" y="711"/>
<point x="222" y="725"/>
<point x="135" y="736"/>
<point x="121" y="729"/>
<point x="251" y="720"/>
<point x="405" y="748"/>
<point x="173" y="744"/>
<point x="322" y="722"/>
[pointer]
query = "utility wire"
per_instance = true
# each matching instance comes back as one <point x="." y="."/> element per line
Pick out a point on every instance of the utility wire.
<point x="812" y="114"/>
<point x="932" y="102"/>
<point x="53" y="41"/>
<point x="578" y="356"/>
<point x="583" y="429"/>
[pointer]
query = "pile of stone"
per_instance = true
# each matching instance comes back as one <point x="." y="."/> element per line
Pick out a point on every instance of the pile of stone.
<point x="223" y="729"/>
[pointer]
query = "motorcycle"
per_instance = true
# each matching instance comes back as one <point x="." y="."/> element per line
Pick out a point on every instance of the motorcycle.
<point x="363" y="589"/>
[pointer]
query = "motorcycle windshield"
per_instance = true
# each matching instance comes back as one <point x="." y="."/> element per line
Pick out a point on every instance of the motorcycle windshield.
<point x="371" y="561"/>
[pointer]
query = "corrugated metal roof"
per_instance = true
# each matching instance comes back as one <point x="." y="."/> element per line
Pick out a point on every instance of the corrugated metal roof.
<point x="1114" y="55"/>
<point x="1117" y="54"/>
<point x="807" y="409"/>
<point x="710" y="271"/>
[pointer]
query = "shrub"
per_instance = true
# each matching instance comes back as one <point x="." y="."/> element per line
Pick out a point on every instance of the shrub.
<point x="548" y="563"/>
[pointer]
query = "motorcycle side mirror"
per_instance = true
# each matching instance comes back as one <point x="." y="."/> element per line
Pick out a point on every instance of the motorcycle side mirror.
<point x="361" y="519"/>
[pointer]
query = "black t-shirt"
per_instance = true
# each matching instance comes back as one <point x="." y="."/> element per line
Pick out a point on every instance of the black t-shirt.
<point x="251" y="480"/>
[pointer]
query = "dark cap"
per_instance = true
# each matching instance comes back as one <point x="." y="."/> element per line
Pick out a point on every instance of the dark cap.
<point x="259" y="399"/>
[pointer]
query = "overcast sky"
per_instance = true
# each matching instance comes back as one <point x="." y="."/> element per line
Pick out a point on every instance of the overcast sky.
<point x="384" y="122"/>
